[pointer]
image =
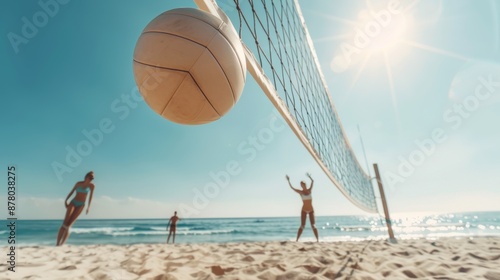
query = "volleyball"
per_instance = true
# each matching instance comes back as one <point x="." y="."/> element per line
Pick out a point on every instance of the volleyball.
<point x="189" y="66"/>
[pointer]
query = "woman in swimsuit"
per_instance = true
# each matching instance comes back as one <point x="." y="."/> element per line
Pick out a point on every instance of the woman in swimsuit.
<point x="75" y="207"/>
<point x="307" y="207"/>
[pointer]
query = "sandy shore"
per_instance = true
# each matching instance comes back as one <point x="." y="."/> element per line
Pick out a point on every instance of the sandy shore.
<point x="449" y="258"/>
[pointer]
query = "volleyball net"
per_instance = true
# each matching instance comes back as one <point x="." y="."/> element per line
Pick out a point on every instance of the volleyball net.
<point x="281" y="58"/>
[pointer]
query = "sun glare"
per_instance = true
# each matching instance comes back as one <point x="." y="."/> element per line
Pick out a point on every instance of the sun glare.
<point x="381" y="35"/>
<point x="381" y="30"/>
<point x="391" y="35"/>
<point x="374" y="32"/>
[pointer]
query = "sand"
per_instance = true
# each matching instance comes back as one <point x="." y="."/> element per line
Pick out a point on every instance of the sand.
<point x="447" y="258"/>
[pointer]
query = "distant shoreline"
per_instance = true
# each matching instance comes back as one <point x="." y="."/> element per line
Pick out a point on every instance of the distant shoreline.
<point x="261" y="229"/>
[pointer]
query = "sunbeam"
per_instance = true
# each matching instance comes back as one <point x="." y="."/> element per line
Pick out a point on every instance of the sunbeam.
<point x="360" y="70"/>
<point x="391" y="88"/>
<point x="435" y="50"/>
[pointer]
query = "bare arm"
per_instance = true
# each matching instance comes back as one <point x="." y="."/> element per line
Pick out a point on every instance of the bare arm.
<point x="91" y="195"/>
<point x="69" y="195"/>
<point x="290" y="184"/>
<point x="312" y="181"/>
<point x="169" y="222"/>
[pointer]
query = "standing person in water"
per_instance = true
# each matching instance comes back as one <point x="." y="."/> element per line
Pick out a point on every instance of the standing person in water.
<point x="75" y="207"/>
<point x="173" y="224"/>
<point x="307" y="207"/>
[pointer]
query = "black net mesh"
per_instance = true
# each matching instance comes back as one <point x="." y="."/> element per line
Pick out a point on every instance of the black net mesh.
<point x="274" y="32"/>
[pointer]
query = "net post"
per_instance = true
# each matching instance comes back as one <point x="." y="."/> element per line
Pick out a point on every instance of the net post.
<point x="384" y="204"/>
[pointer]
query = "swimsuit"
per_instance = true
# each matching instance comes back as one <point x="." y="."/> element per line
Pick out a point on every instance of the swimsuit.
<point x="80" y="189"/>
<point x="77" y="203"/>
<point x="306" y="196"/>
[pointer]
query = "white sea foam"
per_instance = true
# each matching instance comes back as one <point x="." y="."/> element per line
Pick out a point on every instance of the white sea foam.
<point x="105" y="230"/>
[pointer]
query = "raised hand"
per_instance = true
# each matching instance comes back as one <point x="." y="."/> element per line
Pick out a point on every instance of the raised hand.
<point x="309" y="175"/>
<point x="287" y="178"/>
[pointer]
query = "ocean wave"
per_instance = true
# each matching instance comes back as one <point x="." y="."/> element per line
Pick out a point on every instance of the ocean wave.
<point x="200" y="228"/>
<point x="134" y="233"/>
<point x="159" y="228"/>
<point x="143" y="228"/>
<point x="139" y="228"/>
<point x="100" y="230"/>
<point x="124" y="231"/>
<point x="164" y="232"/>
<point x="3" y="231"/>
<point x="208" y="232"/>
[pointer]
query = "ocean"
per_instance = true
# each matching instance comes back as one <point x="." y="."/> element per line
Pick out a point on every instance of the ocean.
<point x="220" y="230"/>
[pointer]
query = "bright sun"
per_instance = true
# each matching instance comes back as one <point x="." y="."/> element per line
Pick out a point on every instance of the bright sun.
<point x="382" y="33"/>
<point x="382" y="30"/>
<point x="391" y="35"/>
<point x="374" y="32"/>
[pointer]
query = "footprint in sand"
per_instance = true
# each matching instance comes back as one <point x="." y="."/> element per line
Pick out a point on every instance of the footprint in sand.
<point x="248" y="259"/>
<point x="217" y="270"/>
<point x="69" y="267"/>
<point x="464" y="269"/>
<point x="330" y="275"/>
<point x="409" y="274"/>
<point x="312" y="269"/>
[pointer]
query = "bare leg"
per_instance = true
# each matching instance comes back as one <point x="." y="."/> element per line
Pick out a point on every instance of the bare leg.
<point x="302" y="224"/>
<point x="62" y="229"/>
<point x="173" y="240"/>
<point x="313" y="225"/>
<point x="71" y="221"/>
<point x="170" y="232"/>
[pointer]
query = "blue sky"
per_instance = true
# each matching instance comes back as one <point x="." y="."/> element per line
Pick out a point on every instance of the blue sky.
<point x="412" y="90"/>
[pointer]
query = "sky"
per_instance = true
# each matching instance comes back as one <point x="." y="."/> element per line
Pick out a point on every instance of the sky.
<point x="424" y="91"/>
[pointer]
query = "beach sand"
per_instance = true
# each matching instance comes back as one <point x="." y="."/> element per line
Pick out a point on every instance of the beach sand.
<point x="446" y="258"/>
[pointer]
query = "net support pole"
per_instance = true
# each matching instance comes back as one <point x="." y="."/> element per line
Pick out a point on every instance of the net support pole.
<point x="384" y="204"/>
